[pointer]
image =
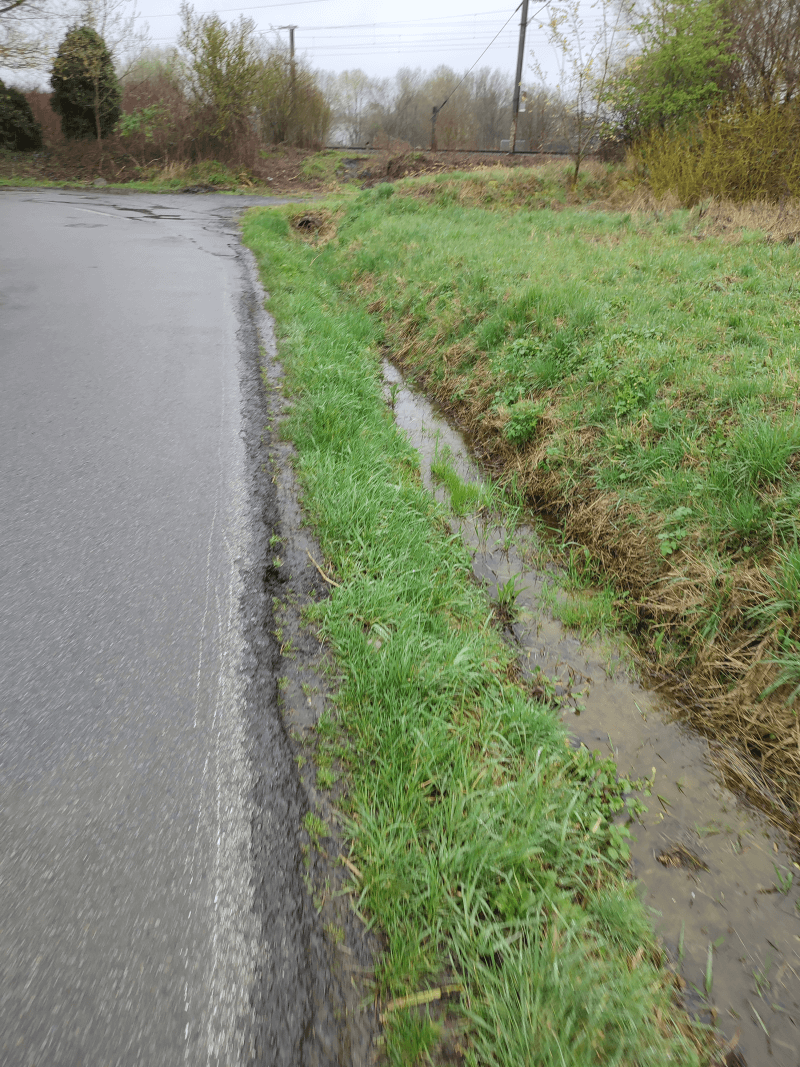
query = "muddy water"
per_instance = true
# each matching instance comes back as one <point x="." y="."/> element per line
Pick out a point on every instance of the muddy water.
<point x="712" y="870"/>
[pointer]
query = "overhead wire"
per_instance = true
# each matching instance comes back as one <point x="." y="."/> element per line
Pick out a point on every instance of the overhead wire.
<point x="486" y="49"/>
<point x="354" y="25"/>
<point x="356" y="46"/>
<point x="436" y="110"/>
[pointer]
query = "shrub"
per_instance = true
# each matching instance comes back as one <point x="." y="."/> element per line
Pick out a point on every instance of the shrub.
<point x="523" y="421"/>
<point x="742" y="152"/>
<point x="19" y="130"/>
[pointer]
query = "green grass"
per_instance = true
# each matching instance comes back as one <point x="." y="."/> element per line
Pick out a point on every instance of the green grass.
<point x="681" y="357"/>
<point x="638" y="376"/>
<point x="327" y="166"/>
<point x="465" y="497"/>
<point x="490" y="851"/>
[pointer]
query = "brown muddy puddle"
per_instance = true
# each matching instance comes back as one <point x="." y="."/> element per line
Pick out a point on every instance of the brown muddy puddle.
<point x="712" y="870"/>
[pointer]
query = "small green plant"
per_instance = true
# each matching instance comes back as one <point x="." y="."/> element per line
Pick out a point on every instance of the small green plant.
<point x="578" y="566"/>
<point x="334" y="933"/>
<point x="784" y="878"/>
<point x="619" y="847"/>
<point x="761" y="978"/>
<point x="590" y="611"/>
<point x="522" y="423"/>
<point x="325" y="778"/>
<point x="412" y="1039"/>
<point x="674" y="530"/>
<point x="507" y="595"/>
<point x="633" y="394"/>
<point x="465" y="497"/>
<point x="315" y="828"/>
<point x="144" y="120"/>
<point x="787" y="660"/>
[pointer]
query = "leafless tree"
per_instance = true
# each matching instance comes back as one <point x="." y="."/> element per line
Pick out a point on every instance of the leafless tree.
<point x="766" y="48"/>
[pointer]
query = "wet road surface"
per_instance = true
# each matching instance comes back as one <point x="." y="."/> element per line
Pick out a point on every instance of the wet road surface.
<point x="151" y="903"/>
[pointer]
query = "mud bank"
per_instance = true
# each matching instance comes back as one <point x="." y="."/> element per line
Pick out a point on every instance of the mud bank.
<point x="721" y="882"/>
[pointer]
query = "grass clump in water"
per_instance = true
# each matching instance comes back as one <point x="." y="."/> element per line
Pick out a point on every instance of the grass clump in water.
<point x="465" y="497"/>
<point x="488" y="849"/>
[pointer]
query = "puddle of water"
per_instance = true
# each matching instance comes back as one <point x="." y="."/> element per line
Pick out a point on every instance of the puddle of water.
<point x="712" y="869"/>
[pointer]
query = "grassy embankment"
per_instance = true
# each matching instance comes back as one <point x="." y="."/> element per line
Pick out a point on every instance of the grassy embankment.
<point x="637" y="374"/>
<point x="486" y="848"/>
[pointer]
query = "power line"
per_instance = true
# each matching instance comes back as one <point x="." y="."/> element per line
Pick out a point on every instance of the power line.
<point x="410" y="38"/>
<point x="480" y="57"/>
<point x="295" y="3"/>
<point x="383" y="42"/>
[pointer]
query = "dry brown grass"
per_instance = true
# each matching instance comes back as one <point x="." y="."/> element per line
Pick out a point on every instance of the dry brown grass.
<point x="724" y="218"/>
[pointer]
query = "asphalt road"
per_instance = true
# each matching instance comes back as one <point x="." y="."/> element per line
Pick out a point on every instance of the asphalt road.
<point x="130" y="929"/>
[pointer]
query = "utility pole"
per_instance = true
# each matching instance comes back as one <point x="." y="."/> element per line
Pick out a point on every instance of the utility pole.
<point x="292" y="70"/>
<point x="434" y="116"/>
<point x="291" y="30"/>
<point x="523" y="25"/>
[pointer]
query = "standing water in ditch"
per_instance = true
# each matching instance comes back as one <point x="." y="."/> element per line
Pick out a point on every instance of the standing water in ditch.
<point x="722" y="884"/>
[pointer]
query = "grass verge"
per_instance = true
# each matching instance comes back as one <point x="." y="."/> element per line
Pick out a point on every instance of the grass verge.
<point x="490" y="853"/>
<point x="636" y="373"/>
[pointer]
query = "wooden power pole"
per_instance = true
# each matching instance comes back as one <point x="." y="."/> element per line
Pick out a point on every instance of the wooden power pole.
<point x="523" y="25"/>
<point x="292" y="71"/>
<point x="291" y="30"/>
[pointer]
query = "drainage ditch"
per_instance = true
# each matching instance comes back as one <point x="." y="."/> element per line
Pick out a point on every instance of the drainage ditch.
<point x="720" y="881"/>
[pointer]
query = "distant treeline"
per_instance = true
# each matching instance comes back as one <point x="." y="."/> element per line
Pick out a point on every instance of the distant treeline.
<point x="477" y="114"/>
<point x="702" y="93"/>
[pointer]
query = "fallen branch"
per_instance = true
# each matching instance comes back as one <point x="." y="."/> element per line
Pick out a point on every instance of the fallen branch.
<point x="330" y="581"/>
<point x="427" y="996"/>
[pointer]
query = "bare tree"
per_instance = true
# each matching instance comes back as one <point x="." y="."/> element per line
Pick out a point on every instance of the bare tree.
<point x="490" y="99"/>
<point x="766" y="48"/>
<point x="29" y="33"/>
<point x="356" y="101"/>
<point x="586" y="50"/>
<point x="119" y="24"/>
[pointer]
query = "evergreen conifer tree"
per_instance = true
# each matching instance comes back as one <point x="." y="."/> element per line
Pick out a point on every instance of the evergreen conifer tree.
<point x="19" y="130"/>
<point x="86" y="92"/>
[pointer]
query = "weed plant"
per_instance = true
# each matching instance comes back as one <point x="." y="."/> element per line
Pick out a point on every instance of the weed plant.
<point x="637" y="376"/>
<point x="488" y="849"/>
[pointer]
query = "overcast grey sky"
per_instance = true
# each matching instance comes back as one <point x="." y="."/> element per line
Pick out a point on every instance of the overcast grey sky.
<point x="379" y="38"/>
